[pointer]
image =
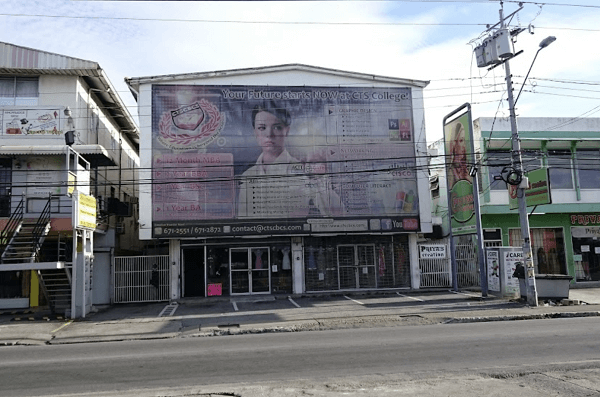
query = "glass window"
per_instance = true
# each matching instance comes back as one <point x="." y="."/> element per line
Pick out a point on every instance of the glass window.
<point x="547" y="246"/>
<point x="531" y="159"/>
<point x="588" y="165"/>
<point x="16" y="91"/>
<point x="496" y="161"/>
<point x="561" y="175"/>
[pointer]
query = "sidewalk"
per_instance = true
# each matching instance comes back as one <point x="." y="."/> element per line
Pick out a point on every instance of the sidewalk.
<point x="256" y="314"/>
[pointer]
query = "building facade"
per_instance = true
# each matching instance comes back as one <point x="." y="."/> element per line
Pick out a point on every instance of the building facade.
<point x="564" y="233"/>
<point x="283" y="179"/>
<point x="64" y="130"/>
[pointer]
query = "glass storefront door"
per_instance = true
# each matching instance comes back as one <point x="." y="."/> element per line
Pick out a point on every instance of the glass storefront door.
<point x="250" y="273"/>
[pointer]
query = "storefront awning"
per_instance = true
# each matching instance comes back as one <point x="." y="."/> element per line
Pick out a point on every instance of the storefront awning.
<point x="97" y="155"/>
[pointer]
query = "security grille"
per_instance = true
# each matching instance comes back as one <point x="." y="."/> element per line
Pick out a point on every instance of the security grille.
<point x="467" y="264"/>
<point x="141" y="279"/>
<point x="356" y="266"/>
<point x="356" y="263"/>
<point x="436" y="272"/>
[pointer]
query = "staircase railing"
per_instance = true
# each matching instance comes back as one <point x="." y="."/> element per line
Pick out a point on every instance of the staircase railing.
<point x="40" y="227"/>
<point x="11" y="226"/>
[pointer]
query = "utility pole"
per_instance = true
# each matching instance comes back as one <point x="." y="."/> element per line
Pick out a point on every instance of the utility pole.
<point x="517" y="163"/>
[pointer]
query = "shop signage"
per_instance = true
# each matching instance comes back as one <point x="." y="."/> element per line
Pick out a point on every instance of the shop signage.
<point x="537" y="192"/>
<point x="85" y="216"/>
<point x="585" y="219"/>
<point x="22" y="122"/>
<point x="585" y="232"/>
<point x="264" y="160"/>
<point x="437" y="251"/>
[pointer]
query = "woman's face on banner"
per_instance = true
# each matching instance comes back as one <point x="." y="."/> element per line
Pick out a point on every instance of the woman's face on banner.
<point x="460" y="150"/>
<point x="270" y="133"/>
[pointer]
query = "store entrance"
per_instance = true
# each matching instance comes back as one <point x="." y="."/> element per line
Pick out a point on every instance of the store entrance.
<point x="357" y="266"/>
<point x="250" y="272"/>
<point x="193" y="272"/>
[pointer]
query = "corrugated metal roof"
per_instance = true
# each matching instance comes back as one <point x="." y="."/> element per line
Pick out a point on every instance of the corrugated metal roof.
<point x="23" y="58"/>
<point x="135" y="82"/>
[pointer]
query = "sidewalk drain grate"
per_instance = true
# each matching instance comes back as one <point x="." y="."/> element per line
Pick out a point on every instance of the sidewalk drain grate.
<point x="169" y="310"/>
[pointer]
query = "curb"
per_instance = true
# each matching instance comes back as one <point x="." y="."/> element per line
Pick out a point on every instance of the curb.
<point x="522" y="317"/>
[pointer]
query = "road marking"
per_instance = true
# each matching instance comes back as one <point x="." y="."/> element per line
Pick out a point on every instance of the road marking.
<point x="235" y="306"/>
<point x="62" y="326"/>
<point x="354" y="300"/>
<point x="293" y="302"/>
<point x="410" y="297"/>
<point x="462" y="293"/>
<point x="169" y="310"/>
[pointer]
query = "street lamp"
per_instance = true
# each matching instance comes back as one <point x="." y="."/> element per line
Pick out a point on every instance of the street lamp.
<point x="520" y="182"/>
<point x="543" y="44"/>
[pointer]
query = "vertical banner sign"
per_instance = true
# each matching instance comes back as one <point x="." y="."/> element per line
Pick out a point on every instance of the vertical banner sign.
<point x="458" y="150"/>
<point x="267" y="160"/>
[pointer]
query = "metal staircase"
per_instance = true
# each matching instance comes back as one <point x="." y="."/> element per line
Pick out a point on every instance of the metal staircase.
<point x="23" y="240"/>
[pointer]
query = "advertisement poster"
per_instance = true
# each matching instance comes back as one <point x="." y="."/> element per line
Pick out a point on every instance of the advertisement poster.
<point x="511" y="260"/>
<point x="493" y="270"/>
<point x="458" y="149"/>
<point x="262" y="160"/>
<point x="31" y="122"/>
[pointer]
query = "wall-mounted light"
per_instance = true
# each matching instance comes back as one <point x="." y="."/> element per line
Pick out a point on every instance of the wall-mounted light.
<point x="18" y="165"/>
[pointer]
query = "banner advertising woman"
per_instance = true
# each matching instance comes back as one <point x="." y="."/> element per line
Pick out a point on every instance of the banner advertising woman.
<point x="457" y="140"/>
<point x="231" y="160"/>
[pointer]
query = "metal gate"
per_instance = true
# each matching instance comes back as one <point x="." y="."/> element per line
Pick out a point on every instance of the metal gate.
<point x="467" y="263"/>
<point x="141" y="279"/>
<point x="436" y="272"/>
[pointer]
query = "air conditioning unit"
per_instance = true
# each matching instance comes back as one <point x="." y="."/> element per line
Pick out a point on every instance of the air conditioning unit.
<point x="119" y="208"/>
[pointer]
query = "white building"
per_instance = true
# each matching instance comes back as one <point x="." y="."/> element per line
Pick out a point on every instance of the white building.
<point x="42" y="97"/>
<point x="284" y="179"/>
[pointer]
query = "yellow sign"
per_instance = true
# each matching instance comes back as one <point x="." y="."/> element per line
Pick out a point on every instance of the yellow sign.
<point x="71" y="184"/>
<point x="86" y="211"/>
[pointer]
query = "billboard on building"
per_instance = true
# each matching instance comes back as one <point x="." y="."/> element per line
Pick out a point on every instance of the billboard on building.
<point x="459" y="155"/>
<point x="31" y="122"/>
<point x="263" y="160"/>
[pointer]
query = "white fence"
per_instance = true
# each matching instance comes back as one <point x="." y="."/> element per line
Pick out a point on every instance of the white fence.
<point x="435" y="272"/>
<point x="141" y="279"/>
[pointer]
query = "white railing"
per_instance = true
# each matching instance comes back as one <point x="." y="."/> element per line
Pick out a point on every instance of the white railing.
<point x="134" y="276"/>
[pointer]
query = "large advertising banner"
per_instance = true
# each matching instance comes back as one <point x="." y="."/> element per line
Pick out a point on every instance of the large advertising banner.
<point x="458" y="149"/>
<point x="262" y="160"/>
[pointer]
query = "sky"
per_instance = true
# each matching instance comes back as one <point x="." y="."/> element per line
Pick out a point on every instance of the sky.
<point x="431" y="40"/>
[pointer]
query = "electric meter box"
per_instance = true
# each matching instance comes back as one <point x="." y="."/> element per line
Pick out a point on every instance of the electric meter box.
<point x="488" y="45"/>
<point x="480" y="56"/>
<point x="501" y="263"/>
<point x="493" y="49"/>
<point x="503" y="44"/>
